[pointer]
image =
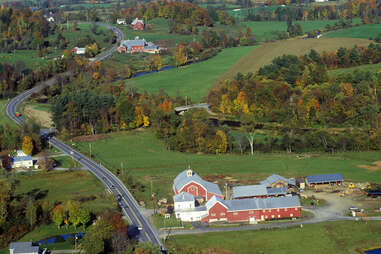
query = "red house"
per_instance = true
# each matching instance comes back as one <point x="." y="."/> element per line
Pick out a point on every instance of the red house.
<point x="189" y="181"/>
<point x="252" y="210"/>
<point x="137" y="24"/>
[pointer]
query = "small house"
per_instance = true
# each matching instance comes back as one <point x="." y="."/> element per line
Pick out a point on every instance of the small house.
<point x="121" y="21"/>
<point x="23" y="248"/>
<point x="185" y="209"/>
<point x="21" y="160"/>
<point x="79" y="51"/>
<point x="327" y="179"/>
<point x="138" y="46"/>
<point x="137" y="24"/>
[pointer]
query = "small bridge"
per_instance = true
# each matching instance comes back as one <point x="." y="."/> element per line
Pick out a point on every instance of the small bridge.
<point x="181" y="109"/>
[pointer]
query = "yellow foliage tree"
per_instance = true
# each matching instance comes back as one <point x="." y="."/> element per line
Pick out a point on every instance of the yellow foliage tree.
<point x="27" y="145"/>
<point x="146" y="121"/>
<point x="139" y="116"/>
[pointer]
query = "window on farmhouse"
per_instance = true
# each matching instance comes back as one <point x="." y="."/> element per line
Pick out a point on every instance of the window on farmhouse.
<point x="277" y="209"/>
<point x="213" y="214"/>
<point x="296" y="209"/>
<point x="291" y="215"/>
<point x="272" y="216"/>
<point x="235" y="213"/>
<point x="251" y="212"/>
<point x="285" y="209"/>
<point x="222" y="214"/>
<point x="278" y="215"/>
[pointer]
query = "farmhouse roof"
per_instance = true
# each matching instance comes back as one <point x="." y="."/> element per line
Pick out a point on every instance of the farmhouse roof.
<point x="21" y="156"/>
<point x="273" y="178"/>
<point x="183" y="179"/>
<point x="211" y="202"/>
<point x="24" y="247"/>
<point x="183" y="197"/>
<point x="325" y="178"/>
<point x="136" y="20"/>
<point x="262" y="203"/>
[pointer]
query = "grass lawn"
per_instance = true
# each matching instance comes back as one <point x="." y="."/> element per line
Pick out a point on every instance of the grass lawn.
<point x="363" y="32"/>
<point x="46" y="231"/>
<point x="63" y="186"/>
<point x="367" y="67"/>
<point x="193" y="80"/>
<point x="146" y="158"/>
<point x="330" y="237"/>
<point x="3" y="116"/>
<point x="29" y="57"/>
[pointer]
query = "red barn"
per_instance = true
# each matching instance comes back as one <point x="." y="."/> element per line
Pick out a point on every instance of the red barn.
<point x="137" y="24"/>
<point x="252" y="210"/>
<point x="189" y="181"/>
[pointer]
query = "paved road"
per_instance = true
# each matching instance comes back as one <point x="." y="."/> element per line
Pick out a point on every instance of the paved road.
<point x="128" y="204"/>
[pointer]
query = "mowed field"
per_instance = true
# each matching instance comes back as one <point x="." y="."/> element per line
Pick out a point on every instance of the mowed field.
<point x="145" y="157"/>
<point x="3" y="116"/>
<point x="63" y="186"/>
<point x="364" y="32"/>
<point x="268" y="51"/>
<point x="344" y="237"/>
<point x="193" y="80"/>
<point x="367" y="67"/>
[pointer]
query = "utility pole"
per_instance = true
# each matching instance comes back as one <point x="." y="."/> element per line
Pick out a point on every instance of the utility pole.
<point x="90" y="149"/>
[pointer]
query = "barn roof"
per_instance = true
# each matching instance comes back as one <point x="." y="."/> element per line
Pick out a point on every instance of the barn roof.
<point x="183" y="197"/>
<point x="211" y="202"/>
<point x="262" y="203"/>
<point x="136" y="20"/>
<point x="273" y="178"/>
<point x="325" y="178"/>
<point x="182" y="179"/>
<point x="249" y="191"/>
<point x="23" y="247"/>
<point x="277" y="191"/>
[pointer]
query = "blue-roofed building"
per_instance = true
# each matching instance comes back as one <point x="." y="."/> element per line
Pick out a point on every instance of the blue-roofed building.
<point x="256" y="191"/>
<point x="23" y="248"/>
<point x="138" y="46"/>
<point x="190" y="182"/>
<point x="21" y="160"/>
<point x="327" y="179"/>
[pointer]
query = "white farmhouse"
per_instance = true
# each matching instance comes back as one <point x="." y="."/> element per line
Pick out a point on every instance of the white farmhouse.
<point x="121" y="21"/>
<point x="185" y="208"/>
<point x="21" y="160"/>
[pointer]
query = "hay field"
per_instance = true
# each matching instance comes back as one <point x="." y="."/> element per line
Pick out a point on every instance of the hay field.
<point x="296" y="46"/>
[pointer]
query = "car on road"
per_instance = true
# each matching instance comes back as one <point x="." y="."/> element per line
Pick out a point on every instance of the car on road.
<point x="140" y="228"/>
<point x="17" y="114"/>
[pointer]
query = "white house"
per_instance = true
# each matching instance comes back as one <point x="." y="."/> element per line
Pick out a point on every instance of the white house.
<point x="50" y="19"/>
<point x="185" y="208"/>
<point x="21" y="160"/>
<point x="79" y="51"/>
<point x="321" y="1"/>
<point x="121" y="21"/>
<point x="23" y="248"/>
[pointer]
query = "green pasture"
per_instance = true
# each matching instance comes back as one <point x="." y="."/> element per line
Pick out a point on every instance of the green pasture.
<point x="146" y="158"/>
<point x="367" y="67"/>
<point x="63" y="186"/>
<point x="362" y="32"/>
<point x="3" y="116"/>
<point x="344" y="237"/>
<point x="193" y="80"/>
<point x="29" y="57"/>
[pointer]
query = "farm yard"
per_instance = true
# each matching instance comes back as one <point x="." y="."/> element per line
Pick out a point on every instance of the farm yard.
<point x="147" y="160"/>
<point x="331" y="237"/>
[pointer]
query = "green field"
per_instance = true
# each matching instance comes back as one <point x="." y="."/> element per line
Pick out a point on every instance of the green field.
<point x="3" y="117"/>
<point x="193" y="80"/>
<point x="362" y="32"/>
<point x="368" y="67"/>
<point x="145" y="157"/>
<point x="29" y="57"/>
<point x="328" y="238"/>
<point x="63" y="186"/>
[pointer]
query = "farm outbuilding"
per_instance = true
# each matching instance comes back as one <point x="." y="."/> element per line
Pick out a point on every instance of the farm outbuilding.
<point x="327" y="179"/>
<point x="257" y="191"/>
<point x="277" y="181"/>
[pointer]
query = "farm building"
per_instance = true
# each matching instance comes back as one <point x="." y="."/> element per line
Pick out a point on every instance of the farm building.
<point x="21" y="160"/>
<point x="185" y="208"/>
<point x="79" y="51"/>
<point x="190" y="182"/>
<point x="277" y="181"/>
<point x="121" y="21"/>
<point x="137" y="24"/>
<point x="137" y="46"/>
<point x="252" y="210"/>
<point x="327" y="179"/>
<point x="257" y="191"/>
<point x="23" y="248"/>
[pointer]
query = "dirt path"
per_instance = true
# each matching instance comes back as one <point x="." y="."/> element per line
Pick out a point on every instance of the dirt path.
<point x="42" y="117"/>
<point x="268" y="51"/>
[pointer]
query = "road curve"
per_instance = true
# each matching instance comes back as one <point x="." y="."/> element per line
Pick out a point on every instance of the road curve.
<point x="125" y="199"/>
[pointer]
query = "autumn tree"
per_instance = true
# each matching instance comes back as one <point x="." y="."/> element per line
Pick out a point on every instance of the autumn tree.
<point x="31" y="213"/>
<point x="248" y="124"/>
<point x="5" y="197"/>
<point x="74" y="213"/>
<point x="84" y="216"/>
<point x="58" y="215"/>
<point x="98" y="233"/>
<point x="27" y="145"/>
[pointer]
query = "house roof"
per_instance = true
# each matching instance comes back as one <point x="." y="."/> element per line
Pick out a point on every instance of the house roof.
<point x="23" y="247"/>
<point x="277" y="191"/>
<point x="21" y="158"/>
<point x="182" y="179"/>
<point x="249" y="191"/>
<point x="211" y="202"/>
<point x="262" y="203"/>
<point x="273" y="178"/>
<point x="136" y="20"/>
<point x="183" y="197"/>
<point x="325" y="178"/>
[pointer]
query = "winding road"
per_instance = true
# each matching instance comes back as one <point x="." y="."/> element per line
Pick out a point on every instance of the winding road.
<point x="129" y="206"/>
